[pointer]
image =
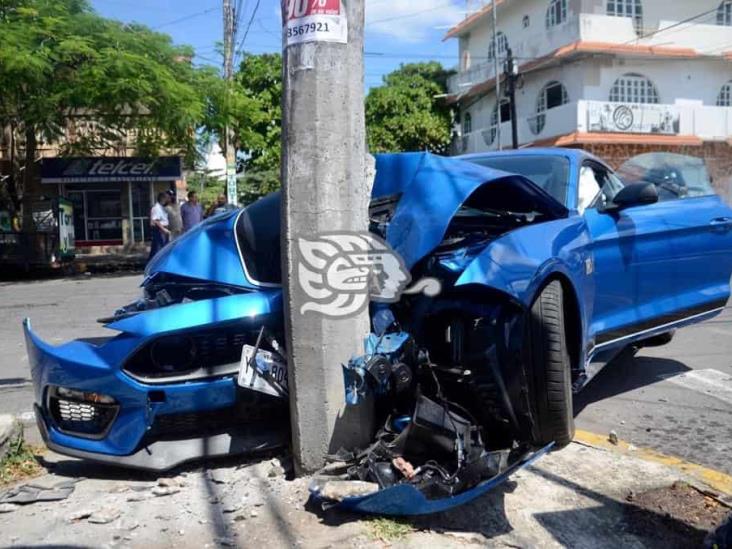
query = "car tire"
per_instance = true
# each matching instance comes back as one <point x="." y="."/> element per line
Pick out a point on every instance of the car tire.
<point x="551" y="369"/>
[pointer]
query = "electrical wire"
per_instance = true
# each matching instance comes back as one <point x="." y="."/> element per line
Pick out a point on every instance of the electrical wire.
<point x="408" y="15"/>
<point x="677" y="24"/>
<point x="185" y="18"/>
<point x="238" y="51"/>
<point x="240" y="10"/>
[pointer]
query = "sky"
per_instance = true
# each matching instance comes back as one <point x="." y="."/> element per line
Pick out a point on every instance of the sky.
<point x="397" y="31"/>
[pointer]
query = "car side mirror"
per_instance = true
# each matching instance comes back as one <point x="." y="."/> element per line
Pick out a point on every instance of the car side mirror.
<point x="637" y="194"/>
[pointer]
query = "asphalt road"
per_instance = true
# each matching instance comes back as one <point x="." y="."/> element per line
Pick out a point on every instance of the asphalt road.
<point x="675" y="399"/>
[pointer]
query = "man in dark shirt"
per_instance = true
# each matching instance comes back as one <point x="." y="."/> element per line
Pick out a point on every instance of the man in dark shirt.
<point x="191" y="211"/>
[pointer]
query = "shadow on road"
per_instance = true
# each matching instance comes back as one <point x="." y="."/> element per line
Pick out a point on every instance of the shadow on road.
<point x="652" y="529"/>
<point x="613" y="520"/>
<point x="626" y="373"/>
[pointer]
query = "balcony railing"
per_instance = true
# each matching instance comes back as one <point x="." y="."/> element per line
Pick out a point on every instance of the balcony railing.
<point x="706" y="122"/>
<point x="464" y="80"/>
<point x="599" y="28"/>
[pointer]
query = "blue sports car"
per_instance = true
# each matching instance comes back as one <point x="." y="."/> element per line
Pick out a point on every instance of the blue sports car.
<point x="549" y="265"/>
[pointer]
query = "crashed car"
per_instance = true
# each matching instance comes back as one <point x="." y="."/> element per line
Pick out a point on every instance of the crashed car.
<point x="548" y="265"/>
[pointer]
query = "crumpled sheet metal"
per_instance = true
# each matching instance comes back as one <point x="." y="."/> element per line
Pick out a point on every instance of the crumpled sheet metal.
<point x="406" y="500"/>
<point x="34" y="493"/>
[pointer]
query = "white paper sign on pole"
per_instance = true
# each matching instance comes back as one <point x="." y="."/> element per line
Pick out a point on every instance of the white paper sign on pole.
<point x="314" y="21"/>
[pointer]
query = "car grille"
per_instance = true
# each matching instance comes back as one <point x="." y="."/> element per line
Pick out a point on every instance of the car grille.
<point x="214" y="349"/>
<point x="255" y="408"/>
<point x="81" y="418"/>
<point x="208" y="353"/>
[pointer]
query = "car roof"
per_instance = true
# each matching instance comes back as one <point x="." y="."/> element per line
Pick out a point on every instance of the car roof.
<point x="574" y="155"/>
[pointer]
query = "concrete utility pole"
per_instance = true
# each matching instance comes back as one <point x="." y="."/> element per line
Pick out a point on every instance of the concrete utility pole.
<point x="512" y="76"/>
<point x="325" y="190"/>
<point x="229" y="149"/>
<point x="496" y="70"/>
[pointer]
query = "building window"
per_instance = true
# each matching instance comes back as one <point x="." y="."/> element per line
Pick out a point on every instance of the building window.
<point x="556" y="14"/>
<point x="140" y="194"/>
<point x="725" y="95"/>
<point x="467" y="123"/>
<point x="466" y="60"/>
<point x="465" y="48"/>
<point x="554" y="94"/>
<point x="633" y="88"/>
<point x="490" y="136"/>
<point x="526" y="21"/>
<point x="627" y="8"/>
<point x="502" y="42"/>
<point x="97" y="214"/>
<point x="724" y="13"/>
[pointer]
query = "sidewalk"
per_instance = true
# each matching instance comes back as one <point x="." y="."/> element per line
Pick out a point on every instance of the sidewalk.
<point x="580" y="496"/>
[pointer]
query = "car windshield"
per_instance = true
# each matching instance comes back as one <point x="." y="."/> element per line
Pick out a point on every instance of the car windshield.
<point x="258" y="237"/>
<point x="551" y="173"/>
<point x="675" y="175"/>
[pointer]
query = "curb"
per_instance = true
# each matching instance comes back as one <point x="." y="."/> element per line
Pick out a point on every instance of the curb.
<point x="716" y="480"/>
<point x="10" y="430"/>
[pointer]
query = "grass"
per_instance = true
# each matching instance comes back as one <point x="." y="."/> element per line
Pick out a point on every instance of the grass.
<point x="20" y="462"/>
<point x="385" y="529"/>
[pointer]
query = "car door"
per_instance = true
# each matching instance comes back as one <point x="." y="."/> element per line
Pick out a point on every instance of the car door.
<point x="698" y="233"/>
<point x="631" y="260"/>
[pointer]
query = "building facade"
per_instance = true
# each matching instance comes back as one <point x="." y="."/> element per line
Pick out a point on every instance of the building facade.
<point x="616" y="77"/>
<point x="111" y="196"/>
<point x="110" y="189"/>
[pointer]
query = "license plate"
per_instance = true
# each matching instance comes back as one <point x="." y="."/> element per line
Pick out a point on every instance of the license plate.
<point x="267" y="373"/>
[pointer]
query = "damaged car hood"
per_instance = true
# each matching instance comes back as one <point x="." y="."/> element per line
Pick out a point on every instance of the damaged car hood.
<point x="427" y="191"/>
<point x="431" y="190"/>
<point x="206" y="252"/>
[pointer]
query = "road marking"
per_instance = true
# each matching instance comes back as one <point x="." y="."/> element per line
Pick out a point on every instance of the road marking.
<point x="717" y="480"/>
<point x="16" y="385"/>
<point x="709" y="382"/>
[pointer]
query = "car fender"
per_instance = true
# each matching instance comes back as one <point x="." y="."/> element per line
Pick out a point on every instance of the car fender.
<point x="520" y="263"/>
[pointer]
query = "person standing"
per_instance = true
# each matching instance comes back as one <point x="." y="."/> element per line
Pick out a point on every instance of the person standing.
<point x="191" y="212"/>
<point x="175" y="223"/>
<point x="159" y="225"/>
<point x="219" y="207"/>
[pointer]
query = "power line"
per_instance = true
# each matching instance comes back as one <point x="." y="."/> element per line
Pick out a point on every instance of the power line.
<point x="407" y="15"/>
<point x="185" y="18"/>
<point x="238" y="51"/>
<point x="241" y="8"/>
<point x="677" y="24"/>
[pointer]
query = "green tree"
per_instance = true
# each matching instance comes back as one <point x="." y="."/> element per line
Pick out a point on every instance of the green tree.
<point x="259" y="135"/>
<point x="60" y="62"/>
<point x="406" y="112"/>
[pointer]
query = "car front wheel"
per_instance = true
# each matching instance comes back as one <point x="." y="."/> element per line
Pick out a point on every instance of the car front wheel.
<point x="551" y="369"/>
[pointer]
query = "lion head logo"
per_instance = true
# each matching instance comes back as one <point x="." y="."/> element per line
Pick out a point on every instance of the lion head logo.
<point x="341" y="272"/>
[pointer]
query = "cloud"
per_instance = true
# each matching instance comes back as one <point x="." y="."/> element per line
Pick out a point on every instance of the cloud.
<point x="409" y="21"/>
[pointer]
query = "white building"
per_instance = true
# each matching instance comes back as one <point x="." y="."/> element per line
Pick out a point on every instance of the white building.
<point x="618" y="77"/>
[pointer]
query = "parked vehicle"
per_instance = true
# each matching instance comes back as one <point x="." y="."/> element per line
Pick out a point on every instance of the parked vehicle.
<point x="549" y="265"/>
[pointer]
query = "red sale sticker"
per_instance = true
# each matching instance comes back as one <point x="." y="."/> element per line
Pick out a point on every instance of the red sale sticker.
<point x="303" y="8"/>
<point x="314" y="21"/>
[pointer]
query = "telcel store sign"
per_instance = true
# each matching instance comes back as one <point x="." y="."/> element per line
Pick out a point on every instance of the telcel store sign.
<point x="112" y="169"/>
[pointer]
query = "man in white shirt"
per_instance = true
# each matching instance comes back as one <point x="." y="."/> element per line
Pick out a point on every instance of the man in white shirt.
<point x="159" y="225"/>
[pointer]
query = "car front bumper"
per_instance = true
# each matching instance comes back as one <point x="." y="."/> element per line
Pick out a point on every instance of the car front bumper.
<point x="151" y="426"/>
